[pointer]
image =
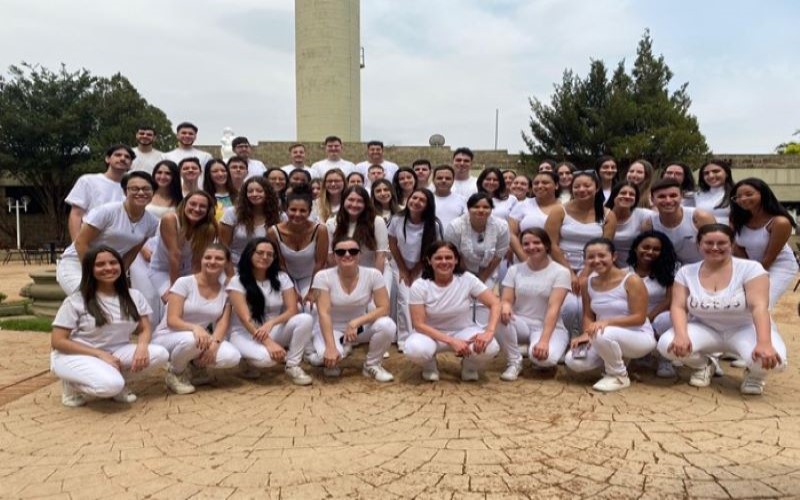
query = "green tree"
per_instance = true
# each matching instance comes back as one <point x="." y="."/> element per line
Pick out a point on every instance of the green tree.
<point x="789" y="148"/>
<point x="629" y="116"/>
<point x="56" y="125"/>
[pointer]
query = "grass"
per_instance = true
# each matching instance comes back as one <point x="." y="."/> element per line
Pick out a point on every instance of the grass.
<point x="35" y="324"/>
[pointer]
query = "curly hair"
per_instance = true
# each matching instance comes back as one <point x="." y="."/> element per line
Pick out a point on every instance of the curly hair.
<point x="246" y="211"/>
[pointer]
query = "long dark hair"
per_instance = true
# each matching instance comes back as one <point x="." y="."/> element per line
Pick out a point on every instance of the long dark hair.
<point x="427" y="268"/>
<point x="253" y="293"/>
<point x="88" y="288"/>
<point x="202" y="233"/>
<point x="365" y="223"/>
<point x="769" y="204"/>
<point x="174" y="191"/>
<point x="727" y="186"/>
<point x="664" y="267"/>
<point x="398" y="191"/>
<point x="615" y="192"/>
<point x="429" y="219"/>
<point x="245" y="211"/>
<point x="280" y="194"/>
<point x="599" y="197"/>
<point x="502" y="192"/>
<point x="688" y="184"/>
<point x="393" y="208"/>
<point x="208" y="184"/>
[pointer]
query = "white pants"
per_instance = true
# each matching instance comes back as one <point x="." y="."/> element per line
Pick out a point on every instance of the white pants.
<point x="529" y="331"/>
<point x="706" y="341"/>
<point x="68" y="274"/>
<point x="159" y="281"/>
<point x="610" y="347"/>
<point x="293" y="335"/>
<point x="661" y="323"/>
<point x="379" y="335"/>
<point x="404" y="328"/>
<point x="480" y="313"/>
<point x="389" y="277"/>
<point x="182" y="347"/>
<point x="421" y="349"/>
<point x="779" y="281"/>
<point x="572" y="314"/>
<point x="94" y="377"/>
<point x="140" y="280"/>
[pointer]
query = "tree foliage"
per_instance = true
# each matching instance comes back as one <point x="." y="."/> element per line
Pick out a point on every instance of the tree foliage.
<point x="789" y="148"/>
<point x="629" y="116"/>
<point x="56" y="125"/>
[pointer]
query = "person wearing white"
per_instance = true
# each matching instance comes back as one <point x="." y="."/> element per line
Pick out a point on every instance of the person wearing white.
<point x="464" y="184"/>
<point x="721" y="304"/>
<point x="763" y="228"/>
<point x="491" y="181"/>
<point x="615" y="323"/>
<point x="333" y="159"/>
<point x="533" y="294"/>
<point x="91" y="339"/>
<point x="146" y="155"/>
<point x="449" y="205"/>
<point x="187" y="134"/>
<point x="715" y="185"/>
<point x="482" y="241"/>
<point x="266" y="327"/>
<point x="411" y="232"/>
<point x="93" y="190"/>
<point x="196" y="324"/>
<point x="124" y="226"/>
<point x="241" y="147"/>
<point x="624" y="202"/>
<point x="344" y="295"/>
<point x="375" y="157"/>
<point x="297" y="153"/>
<point x="256" y="210"/>
<point x="533" y="212"/>
<point x="357" y="220"/>
<point x="440" y="312"/>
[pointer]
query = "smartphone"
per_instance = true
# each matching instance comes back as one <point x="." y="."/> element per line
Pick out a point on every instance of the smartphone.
<point x="580" y="351"/>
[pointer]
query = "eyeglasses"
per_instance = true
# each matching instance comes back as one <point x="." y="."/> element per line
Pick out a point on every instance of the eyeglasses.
<point x="135" y="190"/>
<point x="584" y="172"/>
<point x="340" y="252"/>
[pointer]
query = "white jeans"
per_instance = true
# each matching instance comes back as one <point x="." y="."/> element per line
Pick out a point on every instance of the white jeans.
<point x="182" y="347"/>
<point x="294" y="335"/>
<point x="68" y="274"/>
<point x="779" y="281"/>
<point x="610" y="347"/>
<point x="379" y="335"/>
<point x="404" y="328"/>
<point x="661" y="323"/>
<point x="529" y="331"/>
<point x="706" y="341"/>
<point x="421" y="349"/>
<point x="140" y="280"/>
<point x="95" y="377"/>
<point x="572" y="314"/>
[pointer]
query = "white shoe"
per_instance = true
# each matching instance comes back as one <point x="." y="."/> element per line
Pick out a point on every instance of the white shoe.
<point x="469" y="375"/>
<point x="70" y="396"/>
<point x="314" y="359"/>
<point x="401" y="345"/>
<point x="298" y="376"/>
<point x="702" y="377"/>
<point x="377" y="372"/>
<point x="125" y="396"/>
<point x="718" y="371"/>
<point x="430" y="373"/>
<point x="751" y="385"/>
<point x="512" y="372"/>
<point x="332" y="372"/>
<point x="739" y="363"/>
<point x="665" y="369"/>
<point x="248" y="371"/>
<point x="200" y="375"/>
<point x="611" y="383"/>
<point x="179" y="383"/>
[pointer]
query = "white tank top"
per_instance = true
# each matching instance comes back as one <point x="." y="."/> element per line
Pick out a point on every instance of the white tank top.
<point x="574" y="236"/>
<point x="755" y="241"/>
<point x="160" y="259"/>
<point x="656" y="292"/>
<point x="529" y="214"/>
<point x="299" y="263"/>
<point x="610" y="303"/>
<point x="627" y="231"/>
<point x="683" y="236"/>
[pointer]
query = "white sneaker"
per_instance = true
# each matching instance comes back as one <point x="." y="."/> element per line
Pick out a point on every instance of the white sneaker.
<point x="248" y="371"/>
<point x="665" y="369"/>
<point x="200" y="375"/>
<point x="430" y="373"/>
<point x="718" y="371"/>
<point x="314" y="359"/>
<point x="512" y="372"/>
<point x="70" y="396"/>
<point x="739" y="363"/>
<point x="125" y="396"/>
<point x="702" y="377"/>
<point x="469" y="374"/>
<point x="179" y="383"/>
<point x="611" y="383"/>
<point x="332" y="372"/>
<point x="298" y="376"/>
<point x="751" y="385"/>
<point x="377" y="372"/>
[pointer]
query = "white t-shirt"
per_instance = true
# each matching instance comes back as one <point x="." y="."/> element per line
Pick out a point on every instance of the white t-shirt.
<point x="146" y="162"/>
<point x="179" y="154"/>
<point x="273" y="300"/>
<point x="320" y="168"/>
<point x="345" y="307"/>
<point x="503" y="208"/>
<point x="240" y="236"/>
<point x="255" y="168"/>
<point x="449" y="208"/>
<point x="72" y="315"/>
<point x="448" y="309"/>
<point x="116" y="229"/>
<point x="708" y="201"/>
<point x="197" y="309"/>
<point x="726" y="310"/>
<point x="367" y="258"/>
<point x="389" y="169"/>
<point x="291" y="168"/>
<point x="466" y="188"/>
<point x="93" y="190"/>
<point x="532" y="289"/>
<point x="409" y="242"/>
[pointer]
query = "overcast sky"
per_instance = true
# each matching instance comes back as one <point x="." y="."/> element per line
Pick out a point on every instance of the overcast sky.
<point x="440" y="66"/>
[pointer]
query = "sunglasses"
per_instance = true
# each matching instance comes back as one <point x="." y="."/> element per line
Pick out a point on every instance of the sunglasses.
<point x="342" y="251"/>
<point x="590" y="173"/>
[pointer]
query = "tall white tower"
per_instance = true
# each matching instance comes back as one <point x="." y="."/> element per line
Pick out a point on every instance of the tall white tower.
<point x="328" y="66"/>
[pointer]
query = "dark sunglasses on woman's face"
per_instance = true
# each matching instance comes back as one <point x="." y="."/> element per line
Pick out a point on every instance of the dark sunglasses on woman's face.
<point x="342" y="251"/>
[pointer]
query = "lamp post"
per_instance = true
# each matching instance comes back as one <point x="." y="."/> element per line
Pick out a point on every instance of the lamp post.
<point x="14" y="204"/>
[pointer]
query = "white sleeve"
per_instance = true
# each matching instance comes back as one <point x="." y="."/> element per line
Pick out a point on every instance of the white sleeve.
<point x="67" y="316"/>
<point x="285" y="280"/>
<point x="393" y="229"/>
<point x="235" y="285"/>
<point x="752" y="269"/>
<point x="381" y="235"/>
<point x="376" y="278"/>
<point x="229" y="217"/>
<point x="417" y="293"/>
<point x="141" y="303"/>
<point x="563" y="278"/>
<point x="322" y="281"/>
<point x="503" y="240"/>
<point x="182" y="286"/>
<point x="79" y="195"/>
<point x="518" y="212"/>
<point x="452" y="232"/>
<point x="510" y="277"/>
<point x="102" y="217"/>
<point x="681" y="278"/>
<point x="476" y="286"/>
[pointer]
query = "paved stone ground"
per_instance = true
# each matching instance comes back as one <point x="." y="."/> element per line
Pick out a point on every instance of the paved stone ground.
<point x="352" y="438"/>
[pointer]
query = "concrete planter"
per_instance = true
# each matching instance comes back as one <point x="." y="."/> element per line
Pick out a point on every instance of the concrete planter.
<point x="16" y="308"/>
<point x="45" y="293"/>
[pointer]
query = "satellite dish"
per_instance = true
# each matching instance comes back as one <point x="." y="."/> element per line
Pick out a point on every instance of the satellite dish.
<point x="436" y="140"/>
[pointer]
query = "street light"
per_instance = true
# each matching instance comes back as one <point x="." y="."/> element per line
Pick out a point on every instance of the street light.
<point x="14" y="204"/>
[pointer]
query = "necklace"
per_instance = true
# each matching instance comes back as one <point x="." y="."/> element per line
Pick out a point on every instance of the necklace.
<point x="134" y="222"/>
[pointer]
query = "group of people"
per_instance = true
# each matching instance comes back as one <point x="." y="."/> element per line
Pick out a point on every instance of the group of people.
<point x="217" y="264"/>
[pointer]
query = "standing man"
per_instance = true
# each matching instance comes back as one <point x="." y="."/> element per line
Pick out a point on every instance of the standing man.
<point x="93" y="190"/>
<point x="297" y="153"/>
<point x="333" y="159"/>
<point x="146" y="156"/>
<point x="375" y="157"/>
<point x="464" y="184"/>
<point x="449" y="205"/>
<point x="422" y="169"/>
<point x="241" y="147"/>
<point x="187" y="134"/>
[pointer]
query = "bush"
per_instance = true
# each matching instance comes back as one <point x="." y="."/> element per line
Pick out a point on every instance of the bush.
<point x="35" y="324"/>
